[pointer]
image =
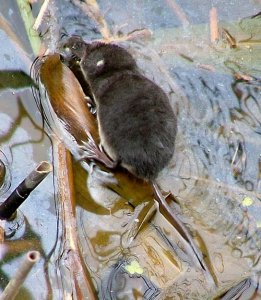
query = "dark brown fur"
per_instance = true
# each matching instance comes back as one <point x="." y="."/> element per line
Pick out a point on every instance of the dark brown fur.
<point x="137" y="125"/>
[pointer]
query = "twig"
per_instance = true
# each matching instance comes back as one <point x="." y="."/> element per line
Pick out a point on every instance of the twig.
<point x="27" y="16"/>
<point x="16" y="282"/>
<point x="241" y="76"/>
<point x="213" y="25"/>
<point x="179" y="12"/>
<point x="136" y="35"/>
<point x="91" y="8"/>
<point x="229" y="38"/>
<point x="206" y="67"/>
<point x="18" y="196"/>
<point x="41" y="14"/>
<point x="2" y="231"/>
<point x="94" y="7"/>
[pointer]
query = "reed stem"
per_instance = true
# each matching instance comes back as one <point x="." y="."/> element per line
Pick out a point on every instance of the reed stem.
<point x="18" y="196"/>
<point x="16" y="282"/>
<point x="28" y="19"/>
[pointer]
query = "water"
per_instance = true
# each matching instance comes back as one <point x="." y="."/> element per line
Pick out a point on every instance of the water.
<point x="214" y="174"/>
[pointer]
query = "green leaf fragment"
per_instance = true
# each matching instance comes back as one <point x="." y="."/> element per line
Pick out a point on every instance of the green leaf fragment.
<point x="247" y="201"/>
<point x="134" y="267"/>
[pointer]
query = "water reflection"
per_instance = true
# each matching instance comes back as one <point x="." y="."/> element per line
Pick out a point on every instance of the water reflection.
<point x="23" y="144"/>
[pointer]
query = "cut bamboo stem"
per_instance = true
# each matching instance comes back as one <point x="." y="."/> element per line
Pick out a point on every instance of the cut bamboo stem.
<point x="16" y="282"/>
<point x="18" y="196"/>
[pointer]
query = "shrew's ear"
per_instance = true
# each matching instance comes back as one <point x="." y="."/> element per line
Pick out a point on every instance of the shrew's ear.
<point x="108" y="58"/>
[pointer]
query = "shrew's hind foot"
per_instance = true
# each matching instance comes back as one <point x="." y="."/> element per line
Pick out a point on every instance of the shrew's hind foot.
<point x="92" y="151"/>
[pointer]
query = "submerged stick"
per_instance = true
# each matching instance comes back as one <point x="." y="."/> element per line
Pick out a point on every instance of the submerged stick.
<point x="2" y="231"/>
<point x="91" y="8"/>
<point x="16" y="282"/>
<point x="41" y="14"/>
<point x="179" y="12"/>
<point x="18" y="196"/>
<point x="213" y="25"/>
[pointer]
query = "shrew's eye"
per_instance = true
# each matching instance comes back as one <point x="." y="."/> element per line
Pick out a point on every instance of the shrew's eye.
<point x="76" y="46"/>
